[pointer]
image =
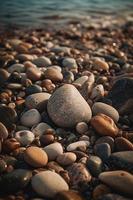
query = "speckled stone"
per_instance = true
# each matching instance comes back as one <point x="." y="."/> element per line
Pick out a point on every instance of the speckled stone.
<point x="51" y="183"/>
<point x="14" y="181"/>
<point x="120" y="181"/>
<point x="78" y="173"/>
<point x="95" y="165"/>
<point x="63" y="107"/>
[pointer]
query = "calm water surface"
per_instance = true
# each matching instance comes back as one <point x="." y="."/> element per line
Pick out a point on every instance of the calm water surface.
<point x="32" y="13"/>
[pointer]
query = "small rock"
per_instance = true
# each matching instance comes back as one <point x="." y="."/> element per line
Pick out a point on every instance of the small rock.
<point x="67" y="158"/>
<point x="46" y="139"/>
<point x="97" y="92"/>
<point x="53" y="74"/>
<point x="42" y="61"/>
<point x="103" y="151"/>
<point x="106" y="109"/>
<point x="70" y="64"/>
<point x="32" y="89"/>
<point x="95" y="165"/>
<point x="40" y="129"/>
<point x="52" y="165"/>
<point x="106" y="139"/>
<point x="33" y="74"/>
<point x="104" y="125"/>
<point x="3" y="131"/>
<point x="16" y="68"/>
<point x="122" y="144"/>
<point x="81" y="80"/>
<point x="53" y="150"/>
<point x="81" y="127"/>
<point x="120" y="181"/>
<point x="100" y="191"/>
<point x="25" y="137"/>
<point x="30" y="118"/>
<point x="101" y="65"/>
<point x="35" y="157"/>
<point x="4" y="75"/>
<point x="63" y="107"/>
<point x="51" y="183"/>
<point x="73" y="146"/>
<point x="69" y="195"/>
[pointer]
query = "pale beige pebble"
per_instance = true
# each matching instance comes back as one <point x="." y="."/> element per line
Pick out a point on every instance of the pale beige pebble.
<point x="84" y="137"/>
<point x="40" y="129"/>
<point x="100" y="65"/>
<point x="81" y="127"/>
<point x="14" y="42"/>
<point x="73" y="146"/>
<point x="16" y="68"/>
<point x="53" y="74"/>
<point x="97" y="92"/>
<point x="3" y="131"/>
<point x="121" y="181"/>
<point x="53" y="150"/>
<point x="106" y="109"/>
<point x="37" y="100"/>
<point x="104" y="125"/>
<point x="66" y="107"/>
<point x="35" y="156"/>
<point x="81" y="80"/>
<point x="42" y="61"/>
<point x="30" y="118"/>
<point x="91" y="76"/>
<point x="51" y="183"/>
<point x="67" y="158"/>
<point x="25" y="137"/>
<point x="33" y="73"/>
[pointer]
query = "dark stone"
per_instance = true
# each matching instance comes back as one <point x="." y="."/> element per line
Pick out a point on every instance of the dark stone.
<point x="102" y="150"/>
<point x="113" y="197"/>
<point x="32" y="89"/>
<point x="95" y="165"/>
<point x="3" y="76"/>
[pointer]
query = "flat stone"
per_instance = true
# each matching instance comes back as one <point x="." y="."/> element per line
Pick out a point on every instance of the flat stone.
<point x="35" y="157"/>
<point x="103" y="151"/>
<point x="14" y="181"/>
<point x="95" y="165"/>
<point x="53" y="150"/>
<point x="104" y="125"/>
<point x="3" y="131"/>
<point x="78" y="173"/>
<point x="67" y="158"/>
<point x="73" y="146"/>
<point x="30" y="118"/>
<point x="63" y="107"/>
<point x="106" y="109"/>
<point x="69" y="63"/>
<point x="42" y="61"/>
<point x="51" y="183"/>
<point x="120" y="181"/>
<point x="25" y="137"/>
<point x="38" y="100"/>
<point x="122" y="160"/>
<point x="16" y="68"/>
<point x="122" y="144"/>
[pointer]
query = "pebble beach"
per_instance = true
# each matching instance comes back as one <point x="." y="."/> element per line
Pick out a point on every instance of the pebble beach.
<point x="66" y="112"/>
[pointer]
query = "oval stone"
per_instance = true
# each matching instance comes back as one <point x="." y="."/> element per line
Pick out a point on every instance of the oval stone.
<point x="67" y="158"/>
<point x="73" y="146"/>
<point x="25" y="137"/>
<point x="3" y="131"/>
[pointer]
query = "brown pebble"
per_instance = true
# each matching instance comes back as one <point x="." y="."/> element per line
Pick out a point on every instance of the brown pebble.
<point x="3" y="131"/>
<point x="3" y="76"/>
<point x="35" y="156"/>
<point x="10" y="145"/>
<point x="54" y="75"/>
<point x="46" y="139"/>
<point x="122" y="144"/>
<point x="69" y="195"/>
<point x="99" y="191"/>
<point x="33" y="74"/>
<point x="104" y="125"/>
<point x="55" y="166"/>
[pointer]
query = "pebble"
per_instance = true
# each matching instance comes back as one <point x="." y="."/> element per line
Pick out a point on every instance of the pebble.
<point x="106" y="109"/>
<point x="52" y="165"/>
<point x="122" y="144"/>
<point x="113" y="196"/>
<point x="53" y="74"/>
<point x="104" y="125"/>
<point x="69" y="195"/>
<point x="16" y="68"/>
<point x="103" y="151"/>
<point x="67" y="158"/>
<point x="101" y="65"/>
<point x="73" y="146"/>
<point x="40" y="129"/>
<point x="70" y="64"/>
<point x="32" y="89"/>
<point x="106" y="139"/>
<point x="94" y="165"/>
<point x="97" y="92"/>
<point x="122" y="160"/>
<point x="120" y="181"/>
<point x="46" y="139"/>
<point x="53" y="150"/>
<point x="33" y="73"/>
<point x="10" y="145"/>
<point x="4" y="75"/>
<point x="30" y="118"/>
<point x="81" y="127"/>
<point x="25" y="57"/>
<point x="38" y="100"/>
<point x="35" y="156"/>
<point x="100" y="191"/>
<point x="3" y="131"/>
<point x="42" y="61"/>
<point x="63" y="107"/>
<point x="0" y="147"/>
<point x="51" y="183"/>
<point x="25" y="137"/>
<point x="14" y="181"/>
<point x="78" y="173"/>
<point x="68" y="77"/>
<point x="59" y="49"/>
<point x="3" y="166"/>
<point x="81" y="80"/>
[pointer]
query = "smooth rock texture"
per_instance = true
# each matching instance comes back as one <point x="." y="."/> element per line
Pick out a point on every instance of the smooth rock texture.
<point x="122" y="144"/>
<point x="3" y="76"/>
<point x="104" y="125"/>
<point x="33" y="73"/>
<point x="67" y="158"/>
<point x="106" y="109"/>
<point x="42" y="61"/>
<point x="106" y="139"/>
<point x="25" y="137"/>
<point x="103" y="151"/>
<point x="66" y="107"/>
<point x="40" y="128"/>
<point x="30" y="118"/>
<point x="38" y="100"/>
<point x="53" y="150"/>
<point x="100" y="191"/>
<point x="51" y="183"/>
<point x="14" y="181"/>
<point x="73" y="146"/>
<point x="120" y="181"/>
<point x="53" y="74"/>
<point x="35" y="157"/>
<point x="95" y="165"/>
<point x="3" y="131"/>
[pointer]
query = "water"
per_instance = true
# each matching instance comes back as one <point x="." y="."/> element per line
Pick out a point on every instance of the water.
<point x="38" y="13"/>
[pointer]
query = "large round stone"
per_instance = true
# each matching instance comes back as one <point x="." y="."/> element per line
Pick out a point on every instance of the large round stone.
<point x="66" y="107"/>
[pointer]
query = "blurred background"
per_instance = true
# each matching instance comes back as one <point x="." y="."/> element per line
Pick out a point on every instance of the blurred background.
<point x="38" y="13"/>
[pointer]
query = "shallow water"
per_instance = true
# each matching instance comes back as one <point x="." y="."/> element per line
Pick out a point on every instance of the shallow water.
<point x="31" y="13"/>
